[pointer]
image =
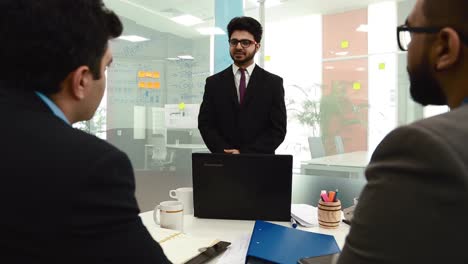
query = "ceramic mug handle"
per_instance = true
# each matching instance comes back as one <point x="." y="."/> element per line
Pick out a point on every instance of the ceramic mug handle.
<point x="156" y="214"/>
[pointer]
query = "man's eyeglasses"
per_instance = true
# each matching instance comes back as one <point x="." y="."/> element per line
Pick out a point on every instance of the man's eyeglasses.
<point x="245" y="43"/>
<point x="404" y="34"/>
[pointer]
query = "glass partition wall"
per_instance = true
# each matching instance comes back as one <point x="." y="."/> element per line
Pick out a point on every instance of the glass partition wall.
<point x="345" y="82"/>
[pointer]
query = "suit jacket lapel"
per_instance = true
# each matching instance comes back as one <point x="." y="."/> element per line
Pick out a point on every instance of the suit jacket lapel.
<point x="231" y="85"/>
<point x="253" y="86"/>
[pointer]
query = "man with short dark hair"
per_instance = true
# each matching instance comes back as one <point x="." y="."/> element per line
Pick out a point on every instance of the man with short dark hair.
<point x="413" y="208"/>
<point x="243" y="109"/>
<point x="66" y="196"/>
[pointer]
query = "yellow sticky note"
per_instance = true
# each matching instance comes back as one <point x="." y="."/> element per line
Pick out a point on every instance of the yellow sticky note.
<point x="382" y="66"/>
<point x="141" y="74"/>
<point x="156" y="75"/>
<point x="357" y="86"/>
<point x="153" y="85"/>
<point x="141" y="85"/>
<point x="149" y="74"/>
<point x="182" y="106"/>
<point x="267" y="58"/>
<point x="344" y="44"/>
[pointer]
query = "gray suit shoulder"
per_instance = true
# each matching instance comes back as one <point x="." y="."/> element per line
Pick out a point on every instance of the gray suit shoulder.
<point x="447" y="128"/>
<point x="447" y="125"/>
<point x="436" y="139"/>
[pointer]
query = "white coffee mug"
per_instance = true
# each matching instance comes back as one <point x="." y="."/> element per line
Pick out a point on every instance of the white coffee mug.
<point x="170" y="214"/>
<point x="185" y="196"/>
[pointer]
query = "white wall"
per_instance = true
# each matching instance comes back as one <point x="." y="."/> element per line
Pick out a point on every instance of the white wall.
<point x="382" y="21"/>
<point x="294" y="48"/>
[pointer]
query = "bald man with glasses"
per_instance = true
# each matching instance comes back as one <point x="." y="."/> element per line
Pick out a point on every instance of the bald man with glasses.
<point x="243" y="109"/>
<point x="414" y="206"/>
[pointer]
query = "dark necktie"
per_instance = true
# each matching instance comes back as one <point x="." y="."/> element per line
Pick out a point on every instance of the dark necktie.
<point x="242" y="87"/>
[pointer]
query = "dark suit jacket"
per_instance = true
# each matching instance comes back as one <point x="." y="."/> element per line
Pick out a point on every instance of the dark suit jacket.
<point x="66" y="196"/>
<point x="414" y="208"/>
<point x="256" y="126"/>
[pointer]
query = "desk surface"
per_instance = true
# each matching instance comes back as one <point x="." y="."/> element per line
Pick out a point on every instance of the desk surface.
<point x="188" y="146"/>
<point x="358" y="159"/>
<point x="232" y="230"/>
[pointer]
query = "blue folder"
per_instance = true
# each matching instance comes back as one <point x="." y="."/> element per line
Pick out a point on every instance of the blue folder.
<point x="284" y="245"/>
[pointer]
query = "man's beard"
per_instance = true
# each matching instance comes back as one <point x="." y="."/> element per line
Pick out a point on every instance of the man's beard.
<point x="247" y="58"/>
<point x="424" y="88"/>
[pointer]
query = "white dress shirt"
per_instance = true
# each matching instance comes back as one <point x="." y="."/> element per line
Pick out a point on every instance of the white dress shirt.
<point x="237" y="76"/>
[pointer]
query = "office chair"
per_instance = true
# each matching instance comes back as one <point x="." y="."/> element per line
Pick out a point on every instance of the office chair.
<point x="339" y="145"/>
<point x="316" y="147"/>
<point x="161" y="158"/>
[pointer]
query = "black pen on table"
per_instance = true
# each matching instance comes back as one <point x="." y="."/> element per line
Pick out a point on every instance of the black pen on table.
<point x="346" y="221"/>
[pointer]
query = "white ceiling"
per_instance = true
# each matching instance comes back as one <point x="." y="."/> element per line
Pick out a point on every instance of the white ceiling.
<point x="156" y="14"/>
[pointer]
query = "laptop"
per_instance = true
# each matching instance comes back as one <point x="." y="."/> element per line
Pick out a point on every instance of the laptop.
<point x="243" y="187"/>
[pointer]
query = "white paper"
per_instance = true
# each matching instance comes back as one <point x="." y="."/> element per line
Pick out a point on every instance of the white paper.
<point x="139" y="122"/>
<point x="237" y="251"/>
<point x="182" y="118"/>
<point x="304" y="214"/>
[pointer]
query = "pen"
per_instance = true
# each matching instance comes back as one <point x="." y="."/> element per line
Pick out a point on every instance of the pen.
<point x="324" y="197"/>
<point x="293" y="223"/>
<point x="336" y="196"/>
<point x="322" y="192"/>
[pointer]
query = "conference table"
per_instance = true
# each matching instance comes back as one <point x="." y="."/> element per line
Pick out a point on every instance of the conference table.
<point x="233" y="230"/>
<point x="353" y="163"/>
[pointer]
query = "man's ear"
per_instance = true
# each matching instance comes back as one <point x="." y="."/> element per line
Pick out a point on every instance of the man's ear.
<point x="447" y="49"/>
<point x="80" y="80"/>
<point x="257" y="47"/>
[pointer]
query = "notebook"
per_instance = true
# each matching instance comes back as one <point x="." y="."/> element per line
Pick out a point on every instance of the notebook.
<point x="179" y="247"/>
<point x="280" y="244"/>
<point x="244" y="186"/>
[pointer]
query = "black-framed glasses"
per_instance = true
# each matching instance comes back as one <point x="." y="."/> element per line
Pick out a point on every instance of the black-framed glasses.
<point x="404" y="34"/>
<point x="245" y="43"/>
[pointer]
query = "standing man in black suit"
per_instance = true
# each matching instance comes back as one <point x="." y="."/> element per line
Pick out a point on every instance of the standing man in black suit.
<point x="243" y="109"/>
<point x="65" y="196"/>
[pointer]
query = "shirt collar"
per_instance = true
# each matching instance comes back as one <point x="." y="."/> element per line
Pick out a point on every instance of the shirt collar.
<point x="249" y="69"/>
<point x="53" y="107"/>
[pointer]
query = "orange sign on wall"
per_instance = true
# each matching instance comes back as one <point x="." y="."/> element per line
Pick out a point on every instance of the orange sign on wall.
<point x="143" y="84"/>
<point x="149" y="85"/>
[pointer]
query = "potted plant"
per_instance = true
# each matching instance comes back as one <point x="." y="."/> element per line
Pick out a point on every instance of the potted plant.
<point x="331" y="114"/>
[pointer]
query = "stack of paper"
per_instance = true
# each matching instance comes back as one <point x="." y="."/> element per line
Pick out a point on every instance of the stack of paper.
<point x="304" y="214"/>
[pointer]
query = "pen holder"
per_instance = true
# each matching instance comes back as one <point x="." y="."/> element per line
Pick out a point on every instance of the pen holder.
<point x="329" y="214"/>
